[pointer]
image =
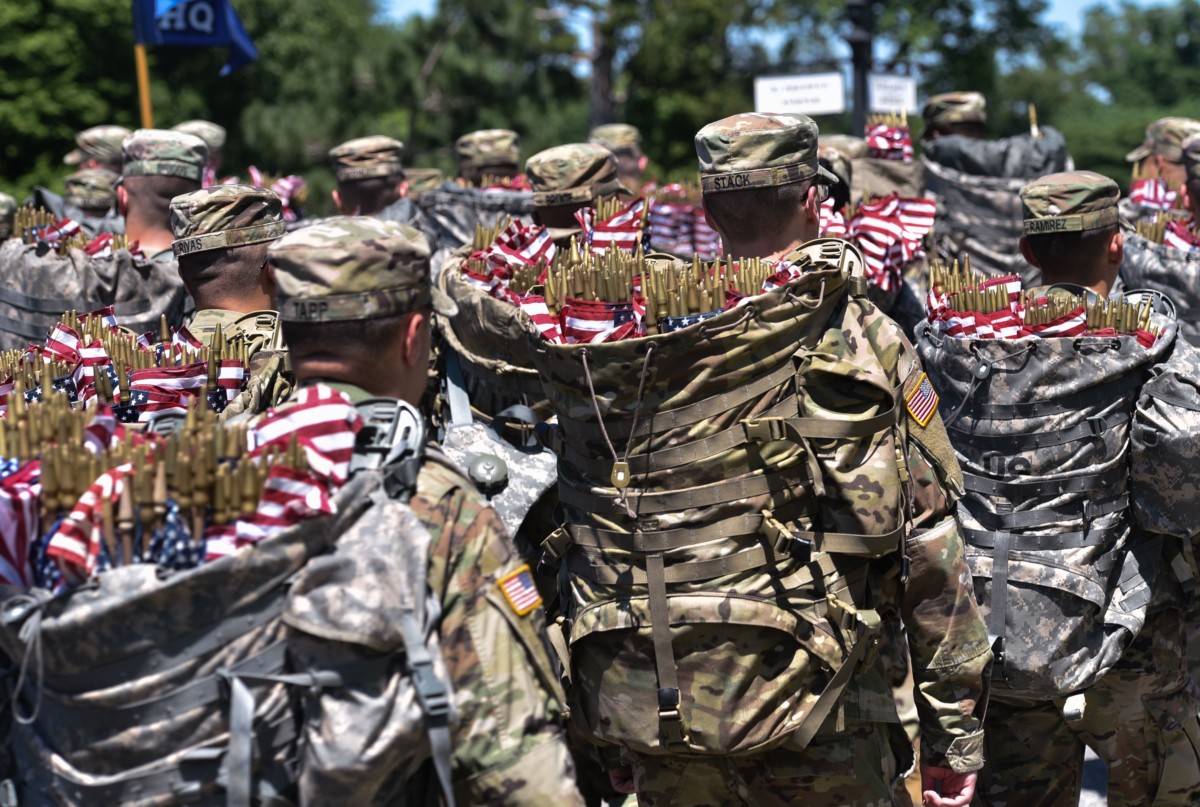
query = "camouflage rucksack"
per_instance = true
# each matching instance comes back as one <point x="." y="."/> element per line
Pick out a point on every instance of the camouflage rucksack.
<point x="977" y="184"/>
<point x="454" y="211"/>
<point x="736" y="504"/>
<point x="36" y="289"/>
<point x="872" y="178"/>
<point x="1173" y="272"/>
<point x="1042" y="428"/>
<point x="146" y="686"/>
<point x="494" y="403"/>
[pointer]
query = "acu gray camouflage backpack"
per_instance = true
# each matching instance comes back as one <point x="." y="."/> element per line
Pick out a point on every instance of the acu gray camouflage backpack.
<point x="227" y="683"/>
<point x="1042" y="428"/>
<point x="1173" y="272"/>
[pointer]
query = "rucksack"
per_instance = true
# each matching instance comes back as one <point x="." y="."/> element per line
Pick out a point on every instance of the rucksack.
<point x="177" y="688"/>
<point x="1173" y="272"/>
<point x="454" y="211"/>
<point x="736" y="505"/>
<point x="1042" y="428"/>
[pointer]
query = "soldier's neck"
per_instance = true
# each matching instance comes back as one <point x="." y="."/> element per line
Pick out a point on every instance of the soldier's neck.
<point x="151" y="236"/>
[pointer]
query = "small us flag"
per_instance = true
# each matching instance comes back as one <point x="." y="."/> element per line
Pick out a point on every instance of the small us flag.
<point x="520" y="591"/>
<point x="922" y="402"/>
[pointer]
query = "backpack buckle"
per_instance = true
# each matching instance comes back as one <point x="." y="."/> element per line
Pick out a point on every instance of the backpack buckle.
<point x="431" y="692"/>
<point x="670" y="717"/>
<point x="784" y="542"/>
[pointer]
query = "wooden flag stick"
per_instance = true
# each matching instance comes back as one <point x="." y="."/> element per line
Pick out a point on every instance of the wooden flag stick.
<point x="143" y="80"/>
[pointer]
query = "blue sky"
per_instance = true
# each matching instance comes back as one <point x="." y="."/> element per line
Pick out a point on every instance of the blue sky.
<point x="1064" y="14"/>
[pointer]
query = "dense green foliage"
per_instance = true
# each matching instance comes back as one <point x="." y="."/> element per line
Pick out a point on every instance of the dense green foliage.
<point x="333" y="69"/>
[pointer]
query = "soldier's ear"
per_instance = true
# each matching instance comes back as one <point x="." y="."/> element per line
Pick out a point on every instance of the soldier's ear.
<point x="1027" y="253"/>
<point x="812" y="205"/>
<point x="415" y="333"/>
<point x="643" y="161"/>
<point x="1116" y="248"/>
<point x="337" y="200"/>
<point x="402" y="188"/>
<point x="122" y="200"/>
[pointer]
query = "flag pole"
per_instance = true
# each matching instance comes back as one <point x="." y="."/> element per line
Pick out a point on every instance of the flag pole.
<point x="143" y="80"/>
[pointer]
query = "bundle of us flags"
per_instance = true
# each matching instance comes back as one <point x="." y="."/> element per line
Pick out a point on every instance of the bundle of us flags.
<point x="677" y="225"/>
<point x="967" y="305"/>
<point x="90" y="360"/>
<point x="81" y="494"/>
<point x="891" y="231"/>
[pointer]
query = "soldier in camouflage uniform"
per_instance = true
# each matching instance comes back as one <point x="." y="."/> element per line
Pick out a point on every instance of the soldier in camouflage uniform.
<point x="90" y="198"/>
<point x="1140" y="717"/>
<point x="493" y="153"/>
<point x="8" y="206"/>
<point x="1191" y="166"/>
<point x="625" y="142"/>
<point x="955" y="113"/>
<point x="762" y="189"/>
<point x="213" y="136"/>
<point x="566" y="179"/>
<point x="221" y="239"/>
<point x="98" y="147"/>
<point x="371" y="181"/>
<point x="157" y="165"/>
<point x="1161" y="153"/>
<point x="354" y="298"/>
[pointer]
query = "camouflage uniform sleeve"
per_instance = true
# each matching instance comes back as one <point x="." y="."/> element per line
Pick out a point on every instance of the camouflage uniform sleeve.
<point x="946" y="635"/>
<point x="509" y="745"/>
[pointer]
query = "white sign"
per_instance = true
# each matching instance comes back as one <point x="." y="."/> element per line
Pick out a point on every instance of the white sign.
<point x="814" y="94"/>
<point x="892" y="93"/>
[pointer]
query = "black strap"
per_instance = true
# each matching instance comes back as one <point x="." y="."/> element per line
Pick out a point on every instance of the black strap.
<point x="1102" y="395"/>
<point x="1020" y="542"/>
<point x="42" y="305"/>
<point x="1043" y="516"/>
<point x="1090" y="427"/>
<point x="1018" y="489"/>
<point x="999" y="599"/>
<point x="27" y="330"/>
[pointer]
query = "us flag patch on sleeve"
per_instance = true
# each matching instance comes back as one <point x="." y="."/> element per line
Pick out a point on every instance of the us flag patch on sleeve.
<point x="922" y="401"/>
<point x="520" y="590"/>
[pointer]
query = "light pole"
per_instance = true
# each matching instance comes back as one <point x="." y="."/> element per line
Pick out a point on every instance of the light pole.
<point x="861" y="16"/>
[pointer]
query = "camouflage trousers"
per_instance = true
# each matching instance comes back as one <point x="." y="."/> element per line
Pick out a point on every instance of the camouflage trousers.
<point x="1140" y="719"/>
<point x="862" y="766"/>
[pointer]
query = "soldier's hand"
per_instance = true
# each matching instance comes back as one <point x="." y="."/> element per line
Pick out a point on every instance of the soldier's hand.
<point x="942" y="787"/>
<point x="621" y="779"/>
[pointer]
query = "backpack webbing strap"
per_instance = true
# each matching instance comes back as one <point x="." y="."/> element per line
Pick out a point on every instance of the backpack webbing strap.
<point x="1074" y="402"/>
<point x="670" y="708"/>
<point x="1021" y="489"/>
<point x="434" y="697"/>
<point x="867" y="625"/>
<point x="766" y="429"/>
<point x="1044" y="516"/>
<point x="1094" y="426"/>
<point x="999" y="604"/>
<point x="672" y="501"/>
<point x="456" y="392"/>
<point x="579" y="456"/>
<point x="1020" y="542"/>
<point x="661" y="420"/>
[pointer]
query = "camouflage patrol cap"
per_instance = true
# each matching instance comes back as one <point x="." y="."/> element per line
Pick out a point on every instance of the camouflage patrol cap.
<point x="619" y="138"/>
<point x="489" y="147"/>
<point x="1073" y="201"/>
<point x="955" y="107"/>
<point x="574" y="173"/>
<point x="1165" y="137"/>
<point x="225" y="216"/>
<point x="849" y="146"/>
<point x="352" y="268"/>
<point x="8" y="206"/>
<point x="91" y="189"/>
<point x="366" y="158"/>
<point x="100" y="143"/>
<point x="165" y="153"/>
<point x="759" y="150"/>
<point x="1191" y="157"/>
<point x="211" y="133"/>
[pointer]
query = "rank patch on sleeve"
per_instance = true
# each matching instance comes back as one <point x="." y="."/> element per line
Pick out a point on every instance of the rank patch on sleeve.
<point x="520" y="590"/>
<point x="922" y="401"/>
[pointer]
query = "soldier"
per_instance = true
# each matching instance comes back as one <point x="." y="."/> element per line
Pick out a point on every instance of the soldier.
<point x="1191" y="166"/>
<point x="955" y="113"/>
<point x="98" y="147"/>
<point x="625" y="142"/>
<point x="976" y="181"/>
<point x="491" y="153"/>
<point x="354" y="298"/>
<point x="1140" y="716"/>
<point x="8" y="206"/>
<point x="762" y="188"/>
<point x="157" y="166"/>
<point x="1160" y="155"/>
<point x="566" y="179"/>
<point x="90" y="198"/>
<point x="371" y="182"/>
<point x="221" y="239"/>
<point x="213" y="136"/>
